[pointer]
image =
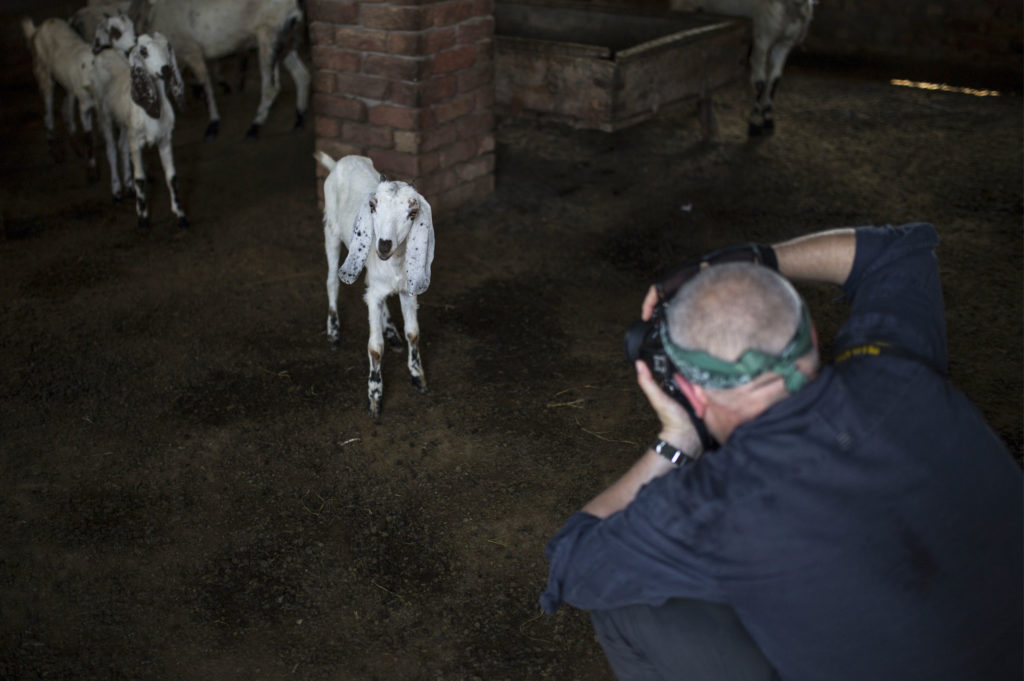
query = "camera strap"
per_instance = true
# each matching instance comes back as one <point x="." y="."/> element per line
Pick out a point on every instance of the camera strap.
<point x="703" y="369"/>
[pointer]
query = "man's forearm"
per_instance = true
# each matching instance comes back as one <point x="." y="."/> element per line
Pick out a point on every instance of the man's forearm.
<point x="821" y="257"/>
<point x="623" y="491"/>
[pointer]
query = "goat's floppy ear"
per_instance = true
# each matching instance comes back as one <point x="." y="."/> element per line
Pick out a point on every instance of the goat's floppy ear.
<point x="144" y="89"/>
<point x="419" y="251"/>
<point x="359" y="244"/>
<point x="176" y="84"/>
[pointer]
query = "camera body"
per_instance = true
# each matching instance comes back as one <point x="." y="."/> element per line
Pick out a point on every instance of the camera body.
<point x="643" y="342"/>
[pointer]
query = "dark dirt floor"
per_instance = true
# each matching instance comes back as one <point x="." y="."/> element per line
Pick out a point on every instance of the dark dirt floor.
<point x="190" y="485"/>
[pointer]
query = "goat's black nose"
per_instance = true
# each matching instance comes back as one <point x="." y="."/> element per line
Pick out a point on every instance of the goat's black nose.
<point x="384" y="246"/>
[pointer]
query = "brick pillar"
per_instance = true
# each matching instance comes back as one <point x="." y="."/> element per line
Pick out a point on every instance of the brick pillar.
<point x="409" y="83"/>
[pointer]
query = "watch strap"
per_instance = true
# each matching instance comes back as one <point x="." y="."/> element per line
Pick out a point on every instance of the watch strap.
<point x="675" y="455"/>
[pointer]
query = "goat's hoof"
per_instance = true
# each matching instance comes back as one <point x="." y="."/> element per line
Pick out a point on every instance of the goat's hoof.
<point x="143" y="223"/>
<point x="300" y="121"/>
<point x="760" y="131"/>
<point x="93" y="174"/>
<point x="419" y="383"/>
<point x="212" y="130"/>
<point x="183" y="222"/>
<point x="253" y="132"/>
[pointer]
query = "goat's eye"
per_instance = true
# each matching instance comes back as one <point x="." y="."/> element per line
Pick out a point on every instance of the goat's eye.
<point x="414" y="213"/>
<point x="144" y="52"/>
<point x="115" y="34"/>
<point x="373" y="206"/>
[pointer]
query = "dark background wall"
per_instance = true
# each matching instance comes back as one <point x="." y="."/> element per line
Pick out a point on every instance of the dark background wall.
<point x="969" y="42"/>
<point x="968" y="39"/>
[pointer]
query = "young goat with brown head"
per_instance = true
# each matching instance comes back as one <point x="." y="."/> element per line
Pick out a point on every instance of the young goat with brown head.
<point x="387" y="229"/>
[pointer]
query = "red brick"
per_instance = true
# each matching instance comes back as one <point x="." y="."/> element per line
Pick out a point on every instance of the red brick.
<point x="321" y="33"/>
<point x="361" y="86"/>
<point x="393" y="67"/>
<point x="437" y="182"/>
<point x="396" y="164"/>
<point x="339" y="107"/>
<point x="437" y="137"/>
<point x="394" y="116"/>
<point x="360" y="38"/>
<point x="326" y="126"/>
<point x="404" y="93"/>
<point x="438" y="89"/>
<point x="453" y="108"/>
<point x="332" y="11"/>
<point x="405" y="43"/>
<point x="323" y="81"/>
<point x="453" y="60"/>
<point x="430" y="163"/>
<point x="334" y="59"/>
<point x="366" y="135"/>
<point x="391" y="18"/>
<point x="439" y="39"/>
<point x="475" y="30"/>
<point x="450" y="13"/>
<point x="463" y="150"/>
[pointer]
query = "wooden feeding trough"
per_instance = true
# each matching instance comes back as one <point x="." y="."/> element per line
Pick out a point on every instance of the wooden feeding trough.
<point x="608" y="68"/>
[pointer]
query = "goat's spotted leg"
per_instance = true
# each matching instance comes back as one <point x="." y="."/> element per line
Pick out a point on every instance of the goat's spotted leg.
<point x="139" y="173"/>
<point x="374" y="351"/>
<point x="391" y="335"/>
<point x="167" y="160"/>
<point x="333" y="249"/>
<point x="412" y="335"/>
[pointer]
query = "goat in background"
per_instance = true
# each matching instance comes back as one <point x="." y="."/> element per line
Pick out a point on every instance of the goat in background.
<point x="388" y="229"/>
<point x="210" y="29"/>
<point x="60" y="55"/>
<point x="778" y="26"/>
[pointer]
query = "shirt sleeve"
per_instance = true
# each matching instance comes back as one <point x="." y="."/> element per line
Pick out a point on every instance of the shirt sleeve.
<point x="895" y="293"/>
<point x="642" y="554"/>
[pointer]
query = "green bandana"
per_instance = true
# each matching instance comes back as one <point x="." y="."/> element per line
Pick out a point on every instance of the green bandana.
<point x="705" y="370"/>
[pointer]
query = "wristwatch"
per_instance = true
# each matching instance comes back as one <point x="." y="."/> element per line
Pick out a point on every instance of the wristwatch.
<point x="674" y="455"/>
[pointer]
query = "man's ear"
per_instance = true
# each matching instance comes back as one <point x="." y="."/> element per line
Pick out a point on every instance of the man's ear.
<point x="694" y="393"/>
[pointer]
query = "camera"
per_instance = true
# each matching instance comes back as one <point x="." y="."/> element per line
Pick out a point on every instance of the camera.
<point x="643" y="341"/>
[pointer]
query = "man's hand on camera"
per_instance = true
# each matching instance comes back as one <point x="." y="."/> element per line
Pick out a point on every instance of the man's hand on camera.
<point x="676" y="427"/>
<point x="650" y="300"/>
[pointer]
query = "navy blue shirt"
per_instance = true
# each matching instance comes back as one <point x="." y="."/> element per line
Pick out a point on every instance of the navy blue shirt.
<point x="867" y="528"/>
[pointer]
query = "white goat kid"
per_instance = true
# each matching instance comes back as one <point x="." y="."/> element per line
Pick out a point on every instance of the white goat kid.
<point x="209" y="29"/>
<point x="60" y="55"/>
<point x="388" y="229"/>
<point x="778" y="26"/>
<point x="135" y="98"/>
